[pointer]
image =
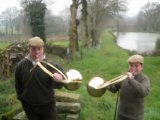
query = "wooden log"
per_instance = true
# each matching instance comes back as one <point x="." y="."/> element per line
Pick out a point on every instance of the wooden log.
<point x="7" y="63"/>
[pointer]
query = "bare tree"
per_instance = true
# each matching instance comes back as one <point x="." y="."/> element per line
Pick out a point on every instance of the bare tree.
<point x="56" y="24"/>
<point x="100" y="11"/>
<point x="21" y="26"/>
<point x="8" y="17"/>
<point x="73" y="34"/>
<point x="149" y="17"/>
<point x="84" y="23"/>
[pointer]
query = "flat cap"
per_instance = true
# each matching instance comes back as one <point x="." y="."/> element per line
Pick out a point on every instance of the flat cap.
<point x="36" y="41"/>
<point x="136" y="59"/>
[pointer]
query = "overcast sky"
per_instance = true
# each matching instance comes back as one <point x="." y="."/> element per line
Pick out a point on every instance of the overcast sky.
<point x="133" y="5"/>
<point x="56" y="6"/>
<point x="8" y="3"/>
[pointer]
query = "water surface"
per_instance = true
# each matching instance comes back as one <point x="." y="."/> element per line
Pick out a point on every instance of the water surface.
<point x="139" y="42"/>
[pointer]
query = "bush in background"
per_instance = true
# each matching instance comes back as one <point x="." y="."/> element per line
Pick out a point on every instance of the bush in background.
<point x="157" y="48"/>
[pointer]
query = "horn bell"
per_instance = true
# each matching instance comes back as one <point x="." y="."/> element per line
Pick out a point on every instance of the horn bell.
<point x="94" y="87"/>
<point x="73" y="85"/>
<point x="74" y="80"/>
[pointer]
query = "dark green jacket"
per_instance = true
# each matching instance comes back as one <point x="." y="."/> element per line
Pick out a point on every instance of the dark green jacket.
<point x="132" y="93"/>
<point x="36" y="87"/>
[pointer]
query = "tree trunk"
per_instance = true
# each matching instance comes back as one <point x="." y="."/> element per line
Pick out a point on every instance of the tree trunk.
<point x="85" y="25"/>
<point x="73" y="35"/>
<point x="11" y="26"/>
<point x="93" y="31"/>
<point x="6" y="29"/>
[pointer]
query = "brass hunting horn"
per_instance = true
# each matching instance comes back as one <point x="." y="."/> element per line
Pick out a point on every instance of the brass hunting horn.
<point x="97" y="86"/>
<point x="72" y="79"/>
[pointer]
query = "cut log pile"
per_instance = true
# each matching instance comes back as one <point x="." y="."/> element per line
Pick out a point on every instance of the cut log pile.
<point x="10" y="56"/>
<point x="13" y="53"/>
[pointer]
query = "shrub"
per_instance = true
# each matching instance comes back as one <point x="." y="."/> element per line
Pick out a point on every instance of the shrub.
<point x="157" y="48"/>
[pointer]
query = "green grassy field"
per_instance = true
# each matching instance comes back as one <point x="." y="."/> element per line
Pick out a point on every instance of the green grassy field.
<point x="3" y="30"/>
<point x="4" y="44"/>
<point x="107" y="62"/>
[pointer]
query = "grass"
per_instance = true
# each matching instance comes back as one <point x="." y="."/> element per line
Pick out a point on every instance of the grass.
<point x="4" y="44"/>
<point x="100" y="62"/>
<point x="8" y="101"/>
<point x="63" y="43"/>
<point x="107" y="62"/>
<point x="3" y="30"/>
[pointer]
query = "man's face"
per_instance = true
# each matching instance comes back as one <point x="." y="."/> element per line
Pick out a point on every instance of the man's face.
<point x="135" y="68"/>
<point x="36" y="52"/>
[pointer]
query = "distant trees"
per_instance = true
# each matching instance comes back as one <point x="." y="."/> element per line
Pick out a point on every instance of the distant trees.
<point x="18" y="22"/>
<point x="147" y="20"/>
<point x="56" y="24"/>
<point x="8" y="17"/>
<point x="149" y="17"/>
<point x="97" y="13"/>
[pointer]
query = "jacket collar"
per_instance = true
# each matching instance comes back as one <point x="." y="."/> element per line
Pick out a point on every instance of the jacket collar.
<point x="32" y="60"/>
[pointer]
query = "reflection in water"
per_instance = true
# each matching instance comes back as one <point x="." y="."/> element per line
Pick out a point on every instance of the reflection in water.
<point x="139" y="42"/>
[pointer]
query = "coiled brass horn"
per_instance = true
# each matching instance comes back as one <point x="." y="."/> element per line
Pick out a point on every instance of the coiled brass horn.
<point x="72" y="79"/>
<point x="97" y="86"/>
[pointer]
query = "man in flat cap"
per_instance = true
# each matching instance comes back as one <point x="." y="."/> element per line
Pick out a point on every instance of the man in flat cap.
<point x="133" y="90"/>
<point x="34" y="87"/>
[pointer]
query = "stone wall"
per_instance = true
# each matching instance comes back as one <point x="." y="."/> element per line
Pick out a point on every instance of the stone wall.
<point x="68" y="104"/>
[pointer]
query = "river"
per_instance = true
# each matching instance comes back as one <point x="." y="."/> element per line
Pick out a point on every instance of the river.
<point x="139" y="42"/>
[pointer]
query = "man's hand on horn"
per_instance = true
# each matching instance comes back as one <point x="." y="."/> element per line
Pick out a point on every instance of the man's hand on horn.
<point x="57" y="77"/>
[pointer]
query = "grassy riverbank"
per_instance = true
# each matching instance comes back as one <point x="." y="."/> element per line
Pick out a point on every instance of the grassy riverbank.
<point x="107" y="62"/>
